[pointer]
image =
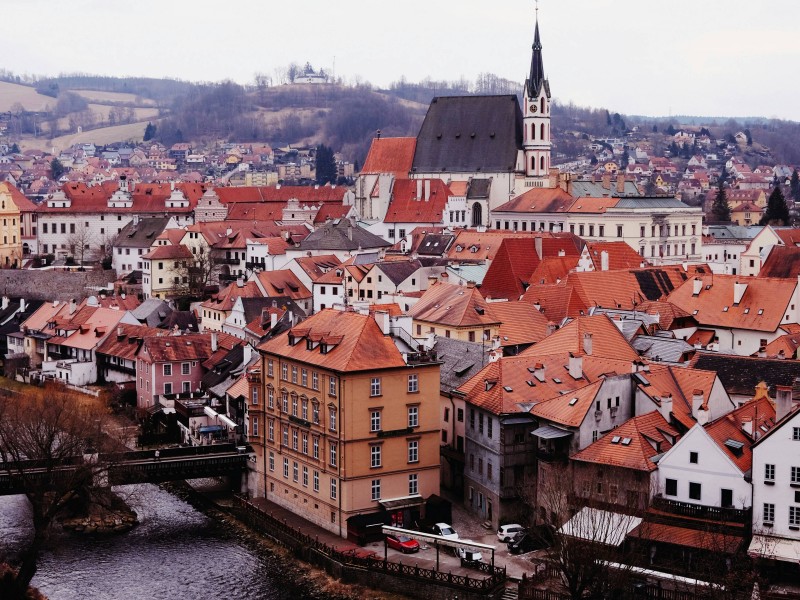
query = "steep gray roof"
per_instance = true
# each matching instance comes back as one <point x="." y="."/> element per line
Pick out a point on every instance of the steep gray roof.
<point x="633" y="203"/>
<point x="469" y="134"/>
<point x="141" y="234"/>
<point x="479" y="188"/>
<point x="399" y="271"/>
<point x="460" y="361"/>
<point x="152" y="312"/>
<point x="595" y="189"/>
<point x="536" y="78"/>
<point x="662" y="348"/>
<point x="342" y="234"/>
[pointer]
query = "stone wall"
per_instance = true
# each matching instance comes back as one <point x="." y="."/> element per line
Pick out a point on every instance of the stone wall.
<point x="35" y="284"/>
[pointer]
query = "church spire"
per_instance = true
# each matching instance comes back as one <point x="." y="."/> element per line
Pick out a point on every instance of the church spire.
<point x="536" y="78"/>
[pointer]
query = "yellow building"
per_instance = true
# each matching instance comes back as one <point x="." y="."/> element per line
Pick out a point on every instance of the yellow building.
<point x="454" y="311"/>
<point x="10" y="236"/>
<point x="346" y="428"/>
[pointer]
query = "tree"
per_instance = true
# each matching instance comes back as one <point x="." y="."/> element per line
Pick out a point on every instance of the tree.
<point x="52" y="427"/>
<point x="14" y="148"/>
<point x="80" y="243"/>
<point x="193" y="276"/>
<point x="149" y="132"/>
<point x="794" y="186"/>
<point x="777" y="212"/>
<point x="720" y="209"/>
<point x="56" y="169"/>
<point x="325" y="165"/>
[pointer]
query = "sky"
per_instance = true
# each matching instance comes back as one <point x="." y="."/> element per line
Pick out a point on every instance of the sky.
<point x="736" y="58"/>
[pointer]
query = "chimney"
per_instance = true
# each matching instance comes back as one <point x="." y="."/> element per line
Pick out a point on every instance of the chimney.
<point x="72" y="306"/>
<point x="607" y="181"/>
<point x="783" y="401"/>
<point x="538" y="371"/>
<point x="240" y="281"/>
<point x="537" y="243"/>
<point x="561" y="252"/>
<point x="350" y="231"/>
<point x="382" y="319"/>
<point x="747" y="427"/>
<point x="738" y="292"/>
<point x="697" y="403"/>
<point x="666" y="407"/>
<point x="781" y="354"/>
<point x="697" y="285"/>
<point x="621" y="182"/>
<point x="5" y="302"/>
<point x="762" y="352"/>
<point x="604" y="260"/>
<point x="22" y="305"/>
<point x="419" y="189"/>
<point x="427" y="190"/>
<point x="470" y="285"/>
<point x="554" y="178"/>
<point x="703" y="416"/>
<point x="551" y="327"/>
<point x="273" y="320"/>
<point x="213" y="341"/>
<point x="247" y="353"/>
<point x="120" y="331"/>
<point x="587" y="343"/>
<point x="575" y="366"/>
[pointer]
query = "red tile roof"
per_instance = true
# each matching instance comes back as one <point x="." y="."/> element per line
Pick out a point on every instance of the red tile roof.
<point x="606" y="340"/>
<point x="553" y="269"/>
<point x="520" y="322"/>
<point x="620" y="255"/>
<point x="508" y="275"/>
<point x="406" y="206"/>
<point x="282" y="194"/>
<point x="539" y="200"/>
<point x="390" y="155"/>
<point x="125" y="340"/>
<point x="453" y="305"/>
<point x="192" y="346"/>
<point x="758" y="414"/>
<point x="357" y="343"/>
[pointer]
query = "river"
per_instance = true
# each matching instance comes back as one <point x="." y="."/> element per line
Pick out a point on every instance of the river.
<point x="175" y="552"/>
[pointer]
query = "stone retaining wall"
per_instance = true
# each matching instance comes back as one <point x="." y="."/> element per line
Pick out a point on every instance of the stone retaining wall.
<point x="36" y="284"/>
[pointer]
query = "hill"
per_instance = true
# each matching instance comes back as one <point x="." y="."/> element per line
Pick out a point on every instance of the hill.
<point x="12" y="94"/>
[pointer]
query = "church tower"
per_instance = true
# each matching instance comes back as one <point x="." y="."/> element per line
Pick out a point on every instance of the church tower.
<point x="536" y="119"/>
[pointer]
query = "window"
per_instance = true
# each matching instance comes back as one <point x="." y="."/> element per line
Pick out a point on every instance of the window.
<point x="489" y="423"/>
<point x="294" y="439"/>
<point x="284" y="371"/>
<point x="413" y="451"/>
<point x="286" y="468"/>
<point x="285" y="401"/>
<point x="413" y="384"/>
<point x="726" y="498"/>
<point x="271" y="461"/>
<point x="480" y="422"/>
<point x="413" y="416"/>
<point x="186" y="387"/>
<point x="271" y="429"/>
<point x="314" y="380"/>
<point x="270" y="397"/>
<point x="167" y="369"/>
<point x="413" y="484"/>
<point x="695" y="491"/>
<point x="795" y="478"/>
<point x="488" y="470"/>
<point x="472" y="418"/>
<point x="460" y="415"/>
<point x="374" y="456"/>
<point x="315" y="446"/>
<point x="375" y="420"/>
<point x="304" y="377"/>
<point x="254" y="395"/>
<point x="315" y="413"/>
<point x="332" y="418"/>
<point x="285" y="435"/>
<point x="796" y="434"/>
<point x="167" y="388"/>
<point x="375" y="386"/>
<point x="794" y="516"/>
<point x="333" y="447"/>
<point x="332" y="386"/>
<point x="295" y="471"/>
<point x="304" y="409"/>
<point x="447" y="414"/>
<point x="294" y="405"/>
<point x="769" y="472"/>
<point x="305" y="476"/>
<point x="693" y="457"/>
<point x="270" y="369"/>
<point x="316" y="481"/>
<point x="333" y="490"/>
<point x="294" y="374"/>
<point x="376" y="489"/>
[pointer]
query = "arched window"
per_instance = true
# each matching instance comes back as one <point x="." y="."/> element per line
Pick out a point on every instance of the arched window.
<point x="533" y="163"/>
<point x="542" y="110"/>
<point x="541" y="162"/>
<point x="533" y="131"/>
<point x="541" y="135"/>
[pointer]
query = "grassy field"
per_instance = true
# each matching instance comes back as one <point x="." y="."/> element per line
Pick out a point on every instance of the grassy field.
<point x="12" y="93"/>
<point x="106" y="135"/>
<point x="114" y="97"/>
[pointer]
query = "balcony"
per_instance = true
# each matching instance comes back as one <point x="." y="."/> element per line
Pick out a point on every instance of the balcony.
<point x="551" y="455"/>
<point x="700" y="511"/>
<point x="223" y="260"/>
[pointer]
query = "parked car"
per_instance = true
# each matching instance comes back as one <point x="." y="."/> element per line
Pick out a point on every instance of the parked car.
<point x="524" y="542"/>
<point x="468" y="557"/>
<point x="506" y="533"/>
<point x="445" y="530"/>
<point x="402" y="543"/>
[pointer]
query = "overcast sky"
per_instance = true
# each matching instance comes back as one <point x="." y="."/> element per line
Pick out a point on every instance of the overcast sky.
<point x="652" y="57"/>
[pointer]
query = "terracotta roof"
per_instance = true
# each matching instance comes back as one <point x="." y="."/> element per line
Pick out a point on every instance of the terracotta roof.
<point x="191" y="346"/>
<point x="590" y="205"/>
<point x="226" y="298"/>
<point x="282" y="194"/>
<point x="762" y="307"/>
<point x="282" y="283"/>
<point x="649" y="435"/>
<point x="453" y="305"/>
<point x="511" y="269"/>
<point x="472" y="245"/>
<point x="669" y="314"/>
<point x="406" y="206"/>
<point x="606" y="340"/>
<point x="276" y="246"/>
<point x="758" y="415"/>
<point x="704" y="539"/>
<point x="783" y="261"/>
<point x="568" y="409"/>
<point x="45" y="314"/>
<point x="538" y="200"/>
<point x="788" y="235"/>
<point x="317" y="266"/>
<point x="520" y="322"/>
<point x="329" y="211"/>
<point x="168" y="252"/>
<point x="355" y="342"/>
<point x="86" y="327"/>
<point x="390" y="155"/>
<point x="147" y="198"/>
<point x="784" y="346"/>
<point x="125" y="340"/>
<point x="22" y="202"/>
<point x="620" y="255"/>
<point x="553" y="269"/>
<point x="556" y="301"/>
<point x="680" y="384"/>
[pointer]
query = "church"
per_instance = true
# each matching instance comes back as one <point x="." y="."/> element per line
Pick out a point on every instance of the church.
<point x="494" y="159"/>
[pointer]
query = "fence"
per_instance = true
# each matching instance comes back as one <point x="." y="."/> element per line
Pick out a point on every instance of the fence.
<point x="302" y="544"/>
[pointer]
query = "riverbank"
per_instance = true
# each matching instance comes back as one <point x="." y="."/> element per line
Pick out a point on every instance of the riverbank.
<point x="312" y="582"/>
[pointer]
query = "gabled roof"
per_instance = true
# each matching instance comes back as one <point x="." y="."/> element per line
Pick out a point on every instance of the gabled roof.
<point x="125" y="340"/>
<point x="538" y="200"/>
<point x="508" y="275"/>
<point x="620" y="255"/>
<point x="606" y="340"/>
<point x="783" y="262"/>
<point x="353" y="342"/>
<point x="282" y="282"/>
<point x="670" y="316"/>
<point x="520" y="322"/>
<point x="227" y="296"/>
<point x="342" y="234"/>
<point x="453" y="305"/>
<point x="568" y="409"/>
<point x="397" y="271"/>
<point x="469" y="134"/>
<point x="141" y="234"/>
<point x="168" y="253"/>
<point x="86" y="327"/>
<point x="680" y="383"/>
<point x="460" y="361"/>
<point x="647" y="436"/>
<point x="317" y="266"/>
<point x="282" y="194"/>
<point x="556" y="301"/>
<point x="553" y="269"/>
<point x="390" y="155"/>
<point x="407" y="206"/>
<point x="758" y="415"/>
<point x="191" y="346"/>
<point x="763" y="305"/>
<point x="741" y="374"/>
<point x="784" y="346"/>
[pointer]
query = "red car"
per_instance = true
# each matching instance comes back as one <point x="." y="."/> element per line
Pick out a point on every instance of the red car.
<point x="402" y="543"/>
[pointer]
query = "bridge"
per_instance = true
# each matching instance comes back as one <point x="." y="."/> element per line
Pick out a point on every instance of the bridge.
<point x="145" y="466"/>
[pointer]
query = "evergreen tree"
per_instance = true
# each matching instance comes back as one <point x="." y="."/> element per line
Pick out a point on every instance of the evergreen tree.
<point x="56" y="169"/>
<point x="149" y="132"/>
<point x="777" y="212"/>
<point x="721" y="210"/>
<point x="794" y="186"/>
<point x="14" y="148"/>
<point x="325" y="165"/>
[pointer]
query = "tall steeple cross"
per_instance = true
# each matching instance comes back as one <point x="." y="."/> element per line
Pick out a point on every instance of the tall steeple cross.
<point x="537" y="9"/>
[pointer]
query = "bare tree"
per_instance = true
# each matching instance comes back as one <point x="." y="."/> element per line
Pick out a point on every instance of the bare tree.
<point x="80" y="243"/>
<point x="61" y="432"/>
<point x="194" y="275"/>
